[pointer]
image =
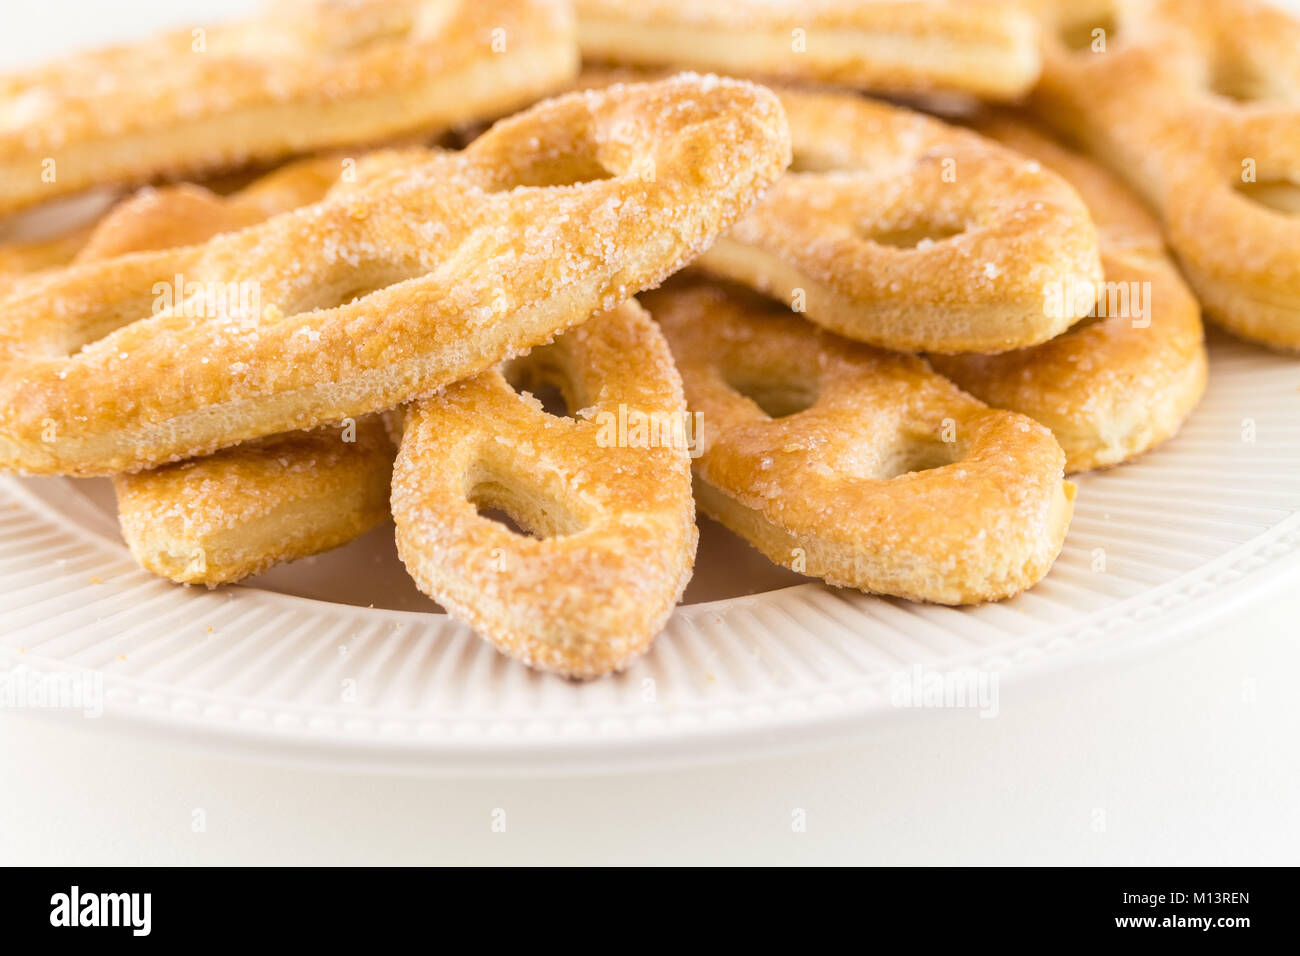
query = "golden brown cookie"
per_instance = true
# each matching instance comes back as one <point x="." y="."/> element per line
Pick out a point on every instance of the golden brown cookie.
<point x="859" y="466"/>
<point x="603" y="494"/>
<point x="1196" y="104"/>
<point x="306" y="75"/>
<point x="1122" y="381"/>
<point x="896" y="229"/>
<point x="385" y="293"/>
<point x="986" y="48"/>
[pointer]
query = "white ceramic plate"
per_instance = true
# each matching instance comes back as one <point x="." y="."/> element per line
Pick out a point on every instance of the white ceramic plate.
<point x="295" y="666"/>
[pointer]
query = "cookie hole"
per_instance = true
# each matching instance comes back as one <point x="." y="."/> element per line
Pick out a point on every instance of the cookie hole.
<point x="805" y="163"/>
<point x="540" y="375"/>
<point x="570" y="169"/>
<point x="776" y="399"/>
<point x="553" y="401"/>
<point x="333" y="295"/>
<point x="503" y="518"/>
<point x="912" y="237"/>
<point x="1094" y="35"/>
<point x="348" y="296"/>
<point x="915" y="453"/>
<point x="1279" y="195"/>
<point x="1240" y="80"/>
<point x="201" y="301"/>
<point x="523" y="510"/>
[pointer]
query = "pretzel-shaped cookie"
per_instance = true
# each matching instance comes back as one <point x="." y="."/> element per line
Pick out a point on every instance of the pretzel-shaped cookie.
<point x="302" y="77"/>
<point x="220" y="518"/>
<point x="1197" y="104"/>
<point x="607" y="493"/>
<point x="385" y="293"/>
<point x="859" y="466"/>
<point x="901" y="231"/>
<point x="982" y="47"/>
<point x="1116" y="385"/>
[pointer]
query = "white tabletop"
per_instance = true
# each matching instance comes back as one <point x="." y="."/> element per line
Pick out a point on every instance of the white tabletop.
<point x="1185" y="757"/>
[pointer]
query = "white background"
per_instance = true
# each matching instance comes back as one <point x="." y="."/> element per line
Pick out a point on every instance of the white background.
<point x="1191" y="756"/>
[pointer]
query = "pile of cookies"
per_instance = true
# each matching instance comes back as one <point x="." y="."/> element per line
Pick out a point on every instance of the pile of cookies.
<point x="502" y="271"/>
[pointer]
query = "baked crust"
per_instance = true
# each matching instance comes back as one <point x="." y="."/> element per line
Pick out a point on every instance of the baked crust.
<point x="859" y="466"/>
<point x="303" y="76"/>
<point x="216" y="519"/>
<point x="222" y="517"/>
<point x="899" y="230"/>
<point x="615" y="519"/>
<point x="1187" y="102"/>
<point x="1117" y="385"/>
<point x="388" y="292"/>
<point x="982" y="47"/>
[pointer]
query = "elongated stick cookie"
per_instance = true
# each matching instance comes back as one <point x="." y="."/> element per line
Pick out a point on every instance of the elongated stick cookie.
<point x="304" y="76"/>
<point x="1196" y="103"/>
<point x="606" y="493"/>
<point x="972" y="46"/>
<point x="372" y="298"/>
<point x="219" y="518"/>
<point x="859" y="466"/>
<point x="899" y="230"/>
<point x="1120" y="383"/>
